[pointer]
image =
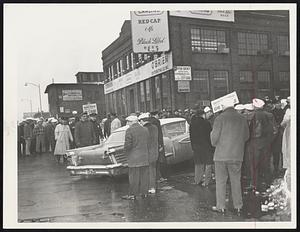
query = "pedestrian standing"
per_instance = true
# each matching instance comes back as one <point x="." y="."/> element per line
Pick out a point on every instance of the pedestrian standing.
<point x="63" y="136"/>
<point x="229" y="134"/>
<point x="162" y="169"/>
<point x="153" y="149"/>
<point x="258" y="146"/>
<point x="200" y="129"/>
<point x="115" y="122"/>
<point x="286" y="146"/>
<point x="53" y="122"/>
<point x="21" y="139"/>
<point x="136" y="150"/>
<point x="72" y="123"/>
<point x="96" y="126"/>
<point x="84" y="132"/>
<point x="28" y="134"/>
<point x="39" y="133"/>
<point x="106" y="125"/>
<point x="48" y="133"/>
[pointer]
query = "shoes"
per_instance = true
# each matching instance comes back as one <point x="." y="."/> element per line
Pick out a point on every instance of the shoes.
<point x="128" y="197"/>
<point x="215" y="209"/>
<point x="238" y="211"/>
<point x="152" y="191"/>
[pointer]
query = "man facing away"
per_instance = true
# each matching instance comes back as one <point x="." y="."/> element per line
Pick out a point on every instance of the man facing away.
<point x="153" y="149"/>
<point x="136" y="150"/>
<point x="229" y="134"/>
<point x="84" y="132"/>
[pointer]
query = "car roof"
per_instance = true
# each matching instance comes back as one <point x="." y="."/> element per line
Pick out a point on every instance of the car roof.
<point x="163" y="121"/>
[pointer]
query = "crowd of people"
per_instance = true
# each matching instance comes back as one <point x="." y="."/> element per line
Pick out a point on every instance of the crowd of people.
<point x="249" y="142"/>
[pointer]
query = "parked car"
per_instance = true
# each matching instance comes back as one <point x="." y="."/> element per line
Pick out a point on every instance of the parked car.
<point x="109" y="158"/>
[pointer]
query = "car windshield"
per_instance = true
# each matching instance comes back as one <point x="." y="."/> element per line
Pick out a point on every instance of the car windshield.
<point x="174" y="129"/>
<point x="116" y="138"/>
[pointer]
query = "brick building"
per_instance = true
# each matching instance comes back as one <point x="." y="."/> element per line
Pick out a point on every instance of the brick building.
<point x="64" y="98"/>
<point x="89" y="77"/>
<point x="249" y="55"/>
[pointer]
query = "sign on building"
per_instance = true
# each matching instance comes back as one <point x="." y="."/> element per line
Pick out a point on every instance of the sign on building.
<point x="150" y="32"/>
<point x="90" y="108"/>
<point x="221" y="15"/>
<point x="72" y="94"/>
<point x="184" y="86"/>
<point x="61" y="109"/>
<point x="153" y="68"/>
<point x="217" y="104"/>
<point x="183" y="73"/>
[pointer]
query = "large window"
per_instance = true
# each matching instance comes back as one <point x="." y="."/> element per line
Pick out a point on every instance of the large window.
<point x="157" y="92"/>
<point x="142" y="94"/>
<point x="166" y="91"/>
<point x="201" y="83"/>
<point x="148" y="96"/>
<point x="283" y="44"/>
<point x="263" y="79"/>
<point x="221" y="86"/>
<point x="246" y="77"/>
<point x="251" y="43"/>
<point x="284" y="80"/>
<point x="207" y="40"/>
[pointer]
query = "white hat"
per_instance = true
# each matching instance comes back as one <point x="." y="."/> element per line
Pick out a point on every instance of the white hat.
<point x="207" y="109"/>
<point x="132" y="118"/>
<point x="239" y="107"/>
<point x="144" y="115"/>
<point x="226" y="103"/>
<point x="53" y="120"/>
<point x="283" y="103"/>
<point x="249" y="106"/>
<point x="258" y="103"/>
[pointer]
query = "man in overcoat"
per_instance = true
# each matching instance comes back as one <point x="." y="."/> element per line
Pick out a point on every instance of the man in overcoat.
<point x="153" y="149"/>
<point x="84" y="132"/>
<point x="229" y="134"/>
<point x="136" y="150"/>
<point x="200" y="129"/>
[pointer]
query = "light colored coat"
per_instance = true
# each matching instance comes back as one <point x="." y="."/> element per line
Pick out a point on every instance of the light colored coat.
<point x="115" y="124"/>
<point x="229" y="134"/>
<point x="286" y="143"/>
<point x="63" y="136"/>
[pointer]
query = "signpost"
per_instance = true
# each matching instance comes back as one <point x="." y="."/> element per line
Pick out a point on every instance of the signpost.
<point x="90" y="108"/>
<point x="217" y="104"/>
<point x="150" y="32"/>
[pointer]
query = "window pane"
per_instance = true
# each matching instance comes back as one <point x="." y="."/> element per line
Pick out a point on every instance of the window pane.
<point x="251" y="43"/>
<point x="220" y="83"/>
<point x="246" y="76"/>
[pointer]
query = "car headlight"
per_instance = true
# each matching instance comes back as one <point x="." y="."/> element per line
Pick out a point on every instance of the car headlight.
<point x="71" y="153"/>
<point x="108" y="153"/>
<point x="111" y="150"/>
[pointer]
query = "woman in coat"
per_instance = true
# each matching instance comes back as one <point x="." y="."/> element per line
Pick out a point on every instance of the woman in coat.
<point x="63" y="136"/>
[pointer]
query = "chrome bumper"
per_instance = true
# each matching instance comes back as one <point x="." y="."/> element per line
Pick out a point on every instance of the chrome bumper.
<point x="94" y="170"/>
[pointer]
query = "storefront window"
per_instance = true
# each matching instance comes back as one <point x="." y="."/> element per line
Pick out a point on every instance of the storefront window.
<point x="157" y="92"/>
<point x="207" y="40"/>
<point x="200" y="84"/>
<point x="220" y="79"/>
<point x="148" y="96"/>
<point x="166" y="91"/>
<point x="251" y="43"/>
<point x="142" y="94"/>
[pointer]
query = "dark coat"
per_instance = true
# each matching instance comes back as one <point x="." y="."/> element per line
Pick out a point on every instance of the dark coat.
<point x="229" y="134"/>
<point x="152" y="142"/>
<point x="260" y="129"/>
<point x="161" y="147"/>
<point x="98" y="131"/>
<point x="200" y="129"/>
<point x="136" y="145"/>
<point x="106" y="128"/>
<point x="84" y="134"/>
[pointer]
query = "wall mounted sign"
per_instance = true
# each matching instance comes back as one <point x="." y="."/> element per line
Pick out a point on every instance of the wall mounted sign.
<point x="150" y="32"/>
<point x="183" y="73"/>
<point x="72" y="94"/>
<point x="184" y="86"/>
<point x="221" y="15"/>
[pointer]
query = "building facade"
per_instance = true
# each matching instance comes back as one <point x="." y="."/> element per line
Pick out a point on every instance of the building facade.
<point x="65" y="98"/>
<point x="249" y="55"/>
<point x="89" y="77"/>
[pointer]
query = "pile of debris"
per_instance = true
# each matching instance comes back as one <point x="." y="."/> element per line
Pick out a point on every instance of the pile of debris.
<point x="276" y="198"/>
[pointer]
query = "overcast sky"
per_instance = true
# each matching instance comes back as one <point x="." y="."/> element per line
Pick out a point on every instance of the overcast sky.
<point x="57" y="41"/>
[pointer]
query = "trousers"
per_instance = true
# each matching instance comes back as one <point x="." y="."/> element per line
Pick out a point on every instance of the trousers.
<point x="152" y="175"/>
<point x="138" y="180"/>
<point x="232" y="169"/>
<point x="201" y="169"/>
<point x="28" y="144"/>
<point x="40" y="142"/>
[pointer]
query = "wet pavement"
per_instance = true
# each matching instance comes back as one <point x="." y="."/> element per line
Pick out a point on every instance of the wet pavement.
<point x="47" y="193"/>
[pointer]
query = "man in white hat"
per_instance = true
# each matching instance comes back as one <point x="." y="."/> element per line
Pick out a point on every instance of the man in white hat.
<point x="260" y="132"/>
<point x="239" y="108"/>
<point x="153" y="149"/>
<point x="229" y="134"/>
<point x="136" y="150"/>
